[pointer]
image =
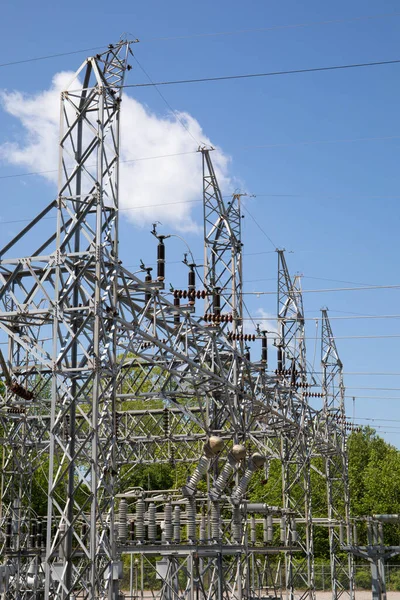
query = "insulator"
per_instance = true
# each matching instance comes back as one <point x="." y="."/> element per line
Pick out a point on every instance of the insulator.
<point x="140" y="510"/>
<point x="295" y="535"/>
<point x="17" y="410"/>
<point x="32" y="534"/>
<point x="177" y="524"/>
<point x="39" y="535"/>
<point x="202" y="532"/>
<point x="255" y="462"/>
<point x="223" y="477"/>
<point x="123" y="520"/>
<point x="152" y="525"/>
<point x="241" y="488"/>
<point x="265" y="531"/>
<point x="341" y="533"/>
<point x="217" y="300"/>
<point x="131" y="531"/>
<point x="191" y="519"/>
<point x="252" y="529"/>
<point x="264" y="349"/>
<point x="270" y="529"/>
<point x="168" y="522"/>
<point x="236" y="525"/>
<point x="293" y="375"/>
<point x="215" y="521"/>
<point x="8" y="532"/>
<point x="161" y="261"/>
<point x="283" y="530"/>
<point x="280" y="358"/>
<point x="166" y="422"/>
<point x="20" y="391"/>
<point x="200" y="470"/>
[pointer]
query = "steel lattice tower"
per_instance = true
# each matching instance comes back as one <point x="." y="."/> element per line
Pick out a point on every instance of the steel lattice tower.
<point x="105" y="373"/>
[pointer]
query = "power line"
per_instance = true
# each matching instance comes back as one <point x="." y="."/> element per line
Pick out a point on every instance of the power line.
<point x="255" y="147"/>
<point x="259" y="226"/>
<point x="209" y="34"/>
<point x="37" y="58"/>
<point x="121" y="161"/>
<point x="349" y="289"/>
<point x="267" y="74"/>
<point x="271" y="28"/>
<point x="182" y="123"/>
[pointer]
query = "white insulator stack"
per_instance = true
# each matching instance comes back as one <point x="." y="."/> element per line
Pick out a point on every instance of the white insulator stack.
<point x="223" y="477"/>
<point x="215" y="521"/>
<point x="152" y="525"/>
<point x="200" y="470"/>
<point x="255" y="463"/>
<point x="283" y="530"/>
<point x="168" y="522"/>
<point x="265" y="531"/>
<point x="191" y="519"/>
<point x="236" y="524"/>
<point x="212" y="448"/>
<point x="140" y="510"/>
<point x="123" y="520"/>
<point x="203" y="530"/>
<point x="177" y="524"/>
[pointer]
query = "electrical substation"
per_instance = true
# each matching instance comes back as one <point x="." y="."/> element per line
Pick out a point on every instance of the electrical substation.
<point x="105" y="371"/>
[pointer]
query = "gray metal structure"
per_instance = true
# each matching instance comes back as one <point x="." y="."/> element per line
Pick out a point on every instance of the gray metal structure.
<point x="105" y="373"/>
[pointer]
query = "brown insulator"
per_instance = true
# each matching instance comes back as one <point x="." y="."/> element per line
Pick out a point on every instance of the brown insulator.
<point x="176" y="314"/>
<point x="161" y="260"/>
<point x="20" y="391"/>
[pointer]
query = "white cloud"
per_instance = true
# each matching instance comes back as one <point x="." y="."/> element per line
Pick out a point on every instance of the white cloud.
<point x="147" y="186"/>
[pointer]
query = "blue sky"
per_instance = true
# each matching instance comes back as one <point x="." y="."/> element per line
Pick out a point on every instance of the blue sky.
<point x="320" y="151"/>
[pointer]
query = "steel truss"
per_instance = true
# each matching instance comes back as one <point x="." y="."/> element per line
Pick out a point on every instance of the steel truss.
<point x="336" y="467"/>
<point x="105" y="373"/>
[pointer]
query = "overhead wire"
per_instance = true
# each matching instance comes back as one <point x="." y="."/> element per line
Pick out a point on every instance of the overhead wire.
<point x="266" y="74"/>
<point x="174" y="112"/>
<point x="271" y="28"/>
<point x="207" y="34"/>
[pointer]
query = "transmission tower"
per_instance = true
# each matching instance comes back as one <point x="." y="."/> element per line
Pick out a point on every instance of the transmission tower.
<point x="336" y="468"/>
